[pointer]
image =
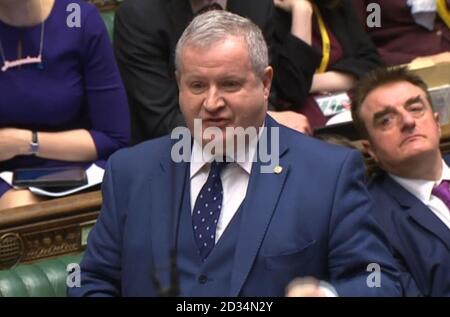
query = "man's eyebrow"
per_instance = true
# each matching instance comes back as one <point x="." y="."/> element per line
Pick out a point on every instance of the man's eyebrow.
<point x="386" y="110"/>
<point x="413" y="100"/>
<point x="391" y="109"/>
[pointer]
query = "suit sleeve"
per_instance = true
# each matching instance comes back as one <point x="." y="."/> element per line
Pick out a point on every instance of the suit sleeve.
<point x="101" y="264"/>
<point x="145" y="62"/>
<point x="294" y="62"/>
<point x="357" y="247"/>
<point x="364" y="56"/>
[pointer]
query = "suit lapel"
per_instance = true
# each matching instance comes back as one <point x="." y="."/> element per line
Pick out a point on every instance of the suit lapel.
<point x="263" y="192"/>
<point x="421" y="214"/>
<point x="166" y="192"/>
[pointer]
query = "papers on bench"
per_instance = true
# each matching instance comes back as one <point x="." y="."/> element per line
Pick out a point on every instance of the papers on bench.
<point x="332" y="104"/>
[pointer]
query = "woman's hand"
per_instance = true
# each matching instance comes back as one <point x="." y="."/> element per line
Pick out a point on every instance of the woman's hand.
<point x="302" y="12"/>
<point x="293" y="120"/>
<point x="291" y="5"/>
<point x="14" y="142"/>
<point x="436" y="58"/>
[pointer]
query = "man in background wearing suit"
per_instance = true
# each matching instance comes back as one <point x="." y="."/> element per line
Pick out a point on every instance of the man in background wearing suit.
<point x="393" y="110"/>
<point x="145" y="35"/>
<point x="205" y="228"/>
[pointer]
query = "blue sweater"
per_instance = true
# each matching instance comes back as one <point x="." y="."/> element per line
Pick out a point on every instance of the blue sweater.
<point x="79" y="86"/>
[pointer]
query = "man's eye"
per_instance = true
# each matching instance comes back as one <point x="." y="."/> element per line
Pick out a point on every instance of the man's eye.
<point x="197" y="86"/>
<point x="231" y="85"/>
<point x="386" y="121"/>
<point x="416" y="109"/>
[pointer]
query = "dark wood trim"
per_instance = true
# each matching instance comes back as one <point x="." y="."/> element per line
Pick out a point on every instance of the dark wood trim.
<point x="47" y="229"/>
<point x="106" y="5"/>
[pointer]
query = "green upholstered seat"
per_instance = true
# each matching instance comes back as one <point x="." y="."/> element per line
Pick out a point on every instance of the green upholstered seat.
<point x="108" y="18"/>
<point x="46" y="278"/>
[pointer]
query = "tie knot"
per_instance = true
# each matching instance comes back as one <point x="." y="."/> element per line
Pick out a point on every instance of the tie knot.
<point x="442" y="191"/>
<point x="217" y="167"/>
<point x="209" y="7"/>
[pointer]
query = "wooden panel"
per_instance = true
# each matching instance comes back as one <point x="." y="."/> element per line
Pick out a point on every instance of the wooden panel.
<point x="47" y="229"/>
<point x="106" y="5"/>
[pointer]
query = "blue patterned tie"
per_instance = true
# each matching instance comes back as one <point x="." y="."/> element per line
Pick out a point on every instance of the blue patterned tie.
<point x="206" y="211"/>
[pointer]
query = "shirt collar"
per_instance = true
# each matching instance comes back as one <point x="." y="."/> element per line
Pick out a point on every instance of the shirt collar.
<point x="200" y="159"/>
<point x="197" y="5"/>
<point x="422" y="188"/>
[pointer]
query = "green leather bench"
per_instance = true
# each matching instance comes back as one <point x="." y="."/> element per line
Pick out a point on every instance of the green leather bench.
<point x="46" y="278"/>
<point x="108" y="18"/>
<point x="108" y="14"/>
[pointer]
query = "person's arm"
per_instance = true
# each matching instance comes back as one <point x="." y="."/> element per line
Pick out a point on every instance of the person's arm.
<point x="363" y="55"/>
<point x="302" y="12"/>
<point x="144" y="56"/>
<point x="443" y="57"/>
<point x="293" y="120"/>
<point x="101" y="264"/>
<point x="75" y="145"/>
<point x="357" y="246"/>
<point x="294" y="60"/>
<point x="332" y="81"/>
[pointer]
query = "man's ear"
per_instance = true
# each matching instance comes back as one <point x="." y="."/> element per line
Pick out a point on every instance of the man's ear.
<point x="368" y="149"/>
<point x="267" y="81"/>
<point x="178" y="78"/>
<point x="436" y="118"/>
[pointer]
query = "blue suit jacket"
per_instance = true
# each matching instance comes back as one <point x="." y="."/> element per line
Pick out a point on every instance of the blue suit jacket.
<point x="419" y="239"/>
<point x="313" y="219"/>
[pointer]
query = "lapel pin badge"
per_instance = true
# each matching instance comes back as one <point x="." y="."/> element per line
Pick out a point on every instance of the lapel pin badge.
<point x="278" y="169"/>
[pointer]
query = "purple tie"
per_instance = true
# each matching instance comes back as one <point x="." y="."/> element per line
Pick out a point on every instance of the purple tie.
<point x="442" y="191"/>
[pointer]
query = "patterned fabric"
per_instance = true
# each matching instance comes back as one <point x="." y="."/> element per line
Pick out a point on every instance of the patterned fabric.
<point x="207" y="210"/>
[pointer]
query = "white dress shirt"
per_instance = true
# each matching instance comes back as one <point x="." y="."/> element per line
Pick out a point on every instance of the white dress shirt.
<point x="234" y="179"/>
<point x="422" y="190"/>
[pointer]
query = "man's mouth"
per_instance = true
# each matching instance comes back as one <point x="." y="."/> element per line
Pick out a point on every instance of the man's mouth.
<point x="411" y="138"/>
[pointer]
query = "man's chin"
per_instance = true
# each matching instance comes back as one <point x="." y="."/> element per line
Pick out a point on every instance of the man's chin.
<point x="418" y="153"/>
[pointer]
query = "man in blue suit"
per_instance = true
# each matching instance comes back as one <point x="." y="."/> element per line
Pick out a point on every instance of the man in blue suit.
<point x="203" y="227"/>
<point x="393" y="110"/>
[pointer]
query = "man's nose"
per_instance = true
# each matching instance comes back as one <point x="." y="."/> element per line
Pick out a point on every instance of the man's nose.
<point x="408" y="122"/>
<point x="213" y="100"/>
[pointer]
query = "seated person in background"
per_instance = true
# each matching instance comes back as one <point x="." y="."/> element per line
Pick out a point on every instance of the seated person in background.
<point x="410" y="29"/>
<point x="332" y="52"/>
<point x="67" y="97"/>
<point x="239" y="228"/>
<point x="392" y="109"/>
<point x="145" y="35"/>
